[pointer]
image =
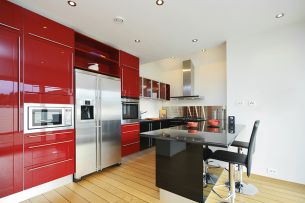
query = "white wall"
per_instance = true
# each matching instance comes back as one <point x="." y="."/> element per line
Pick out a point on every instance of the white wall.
<point x="269" y="68"/>
<point x="209" y="79"/>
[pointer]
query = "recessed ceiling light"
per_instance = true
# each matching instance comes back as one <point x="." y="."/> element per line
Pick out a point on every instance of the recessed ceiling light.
<point x="137" y="41"/>
<point x="159" y="2"/>
<point x="194" y="40"/>
<point x="280" y="15"/>
<point x="72" y="3"/>
<point x="172" y="57"/>
<point x="203" y="50"/>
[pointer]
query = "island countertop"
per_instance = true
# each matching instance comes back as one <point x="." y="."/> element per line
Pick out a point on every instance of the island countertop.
<point x="203" y="134"/>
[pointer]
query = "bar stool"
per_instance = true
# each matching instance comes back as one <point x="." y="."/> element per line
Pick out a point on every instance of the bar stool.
<point x="208" y="178"/>
<point x="236" y="158"/>
<point x="242" y="187"/>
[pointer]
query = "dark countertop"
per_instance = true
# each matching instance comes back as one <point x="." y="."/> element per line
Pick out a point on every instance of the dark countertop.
<point x="220" y="137"/>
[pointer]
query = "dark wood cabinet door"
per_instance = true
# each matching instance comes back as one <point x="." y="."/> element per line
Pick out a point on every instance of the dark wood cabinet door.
<point x="10" y="138"/>
<point x="48" y="67"/>
<point x="162" y="90"/>
<point x="147" y="90"/>
<point x="130" y="82"/>
<point x="168" y="93"/>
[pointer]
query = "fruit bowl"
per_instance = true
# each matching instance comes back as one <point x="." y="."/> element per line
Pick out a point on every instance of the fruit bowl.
<point x="192" y="124"/>
<point x="213" y="122"/>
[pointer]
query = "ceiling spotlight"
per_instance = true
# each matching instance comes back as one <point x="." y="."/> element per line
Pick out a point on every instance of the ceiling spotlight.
<point x="72" y="3"/>
<point x="280" y="15"/>
<point x="172" y="57"/>
<point x="137" y="41"/>
<point x="159" y="2"/>
<point x="194" y="40"/>
<point x="203" y="50"/>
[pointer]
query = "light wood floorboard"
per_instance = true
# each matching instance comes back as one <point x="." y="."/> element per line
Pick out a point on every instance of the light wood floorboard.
<point x="134" y="181"/>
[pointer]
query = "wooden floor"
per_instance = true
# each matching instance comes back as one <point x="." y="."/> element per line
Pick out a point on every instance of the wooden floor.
<point x="134" y="181"/>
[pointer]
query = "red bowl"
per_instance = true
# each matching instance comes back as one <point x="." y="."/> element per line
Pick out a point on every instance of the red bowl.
<point x="213" y="122"/>
<point x="192" y="124"/>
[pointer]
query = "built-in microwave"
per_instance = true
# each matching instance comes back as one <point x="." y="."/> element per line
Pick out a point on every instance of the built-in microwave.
<point x="130" y="110"/>
<point x="48" y="117"/>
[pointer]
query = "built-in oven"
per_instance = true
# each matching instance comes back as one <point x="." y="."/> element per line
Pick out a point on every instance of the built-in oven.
<point x="130" y="110"/>
<point x="48" y="117"/>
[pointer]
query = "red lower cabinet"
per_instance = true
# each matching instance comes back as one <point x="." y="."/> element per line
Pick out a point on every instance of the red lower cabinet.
<point x="48" y="156"/>
<point x="130" y="138"/>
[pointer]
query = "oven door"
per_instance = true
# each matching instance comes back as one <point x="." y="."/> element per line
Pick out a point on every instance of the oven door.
<point x="130" y="112"/>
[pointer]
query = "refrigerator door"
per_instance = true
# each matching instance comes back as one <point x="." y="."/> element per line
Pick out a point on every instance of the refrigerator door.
<point x="85" y="123"/>
<point x="110" y="116"/>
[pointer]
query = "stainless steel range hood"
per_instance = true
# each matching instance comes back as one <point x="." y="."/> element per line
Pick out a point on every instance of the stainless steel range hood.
<point x="188" y="82"/>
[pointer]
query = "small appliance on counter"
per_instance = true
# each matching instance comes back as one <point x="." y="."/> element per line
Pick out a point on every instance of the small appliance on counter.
<point x="93" y="66"/>
<point x="162" y="114"/>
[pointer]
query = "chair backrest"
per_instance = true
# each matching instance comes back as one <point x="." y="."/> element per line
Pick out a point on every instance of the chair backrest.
<point x="251" y="148"/>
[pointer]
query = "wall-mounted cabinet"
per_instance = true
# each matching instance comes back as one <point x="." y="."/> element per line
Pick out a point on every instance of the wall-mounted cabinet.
<point x="154" y="89"/>
<point x="89" y="51"/>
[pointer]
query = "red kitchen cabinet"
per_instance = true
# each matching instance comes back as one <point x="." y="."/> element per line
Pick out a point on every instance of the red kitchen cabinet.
<point x="168" y="93"/>
<point x="130" y="138"/>
<point x="48" y="156"/>
<point x="155" y="90"/>
<point x="10" y="15"/>
<point x="129" y="60"/>
<point x="10" y="108"/>
<point x="44" y="28"/>
<point x="147" y="90"/>
<point x="130" y="75"/>
<point x="162" y="91"/>
<point x="130" y="81"/>
<point x="48" y="67"/>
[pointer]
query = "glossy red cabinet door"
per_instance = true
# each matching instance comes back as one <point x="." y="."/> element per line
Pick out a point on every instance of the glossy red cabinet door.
<point x="37" y="25"/>
<point x="130" y="80"/>
<point x="162" y="90"/>
<point x="127" y="59"/>
<point x="10" y="15"/>
<point x="130" y="138"/>
<point x="48" y="67"/>
<point x="48" y="156"/>
<point x="10" y="139"/>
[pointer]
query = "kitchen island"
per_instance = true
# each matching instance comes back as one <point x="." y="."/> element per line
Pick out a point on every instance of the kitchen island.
<point x="179" y="158"/>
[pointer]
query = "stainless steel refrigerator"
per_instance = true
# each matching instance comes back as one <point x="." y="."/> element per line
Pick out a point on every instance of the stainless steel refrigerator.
<point x="97" y="122"/>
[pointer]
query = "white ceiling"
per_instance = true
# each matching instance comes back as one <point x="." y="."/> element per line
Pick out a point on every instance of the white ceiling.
<point x="167" y="30"/>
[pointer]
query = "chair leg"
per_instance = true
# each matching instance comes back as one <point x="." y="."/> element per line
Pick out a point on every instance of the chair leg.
<point x="242" y="187"/>
<point x="209" y="178"/>
<point x="231" y="186"/>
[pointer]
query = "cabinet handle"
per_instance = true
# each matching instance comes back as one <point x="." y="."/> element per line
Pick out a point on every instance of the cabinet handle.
<point x="44" y="145"/>
<point x="19" y="80"/>
<point x="5" y="25"/>
<point x="50" y="40"/>
<point x="44" y="135"/>
<point x="33" y="169"/>
<point x="130" y="144"/>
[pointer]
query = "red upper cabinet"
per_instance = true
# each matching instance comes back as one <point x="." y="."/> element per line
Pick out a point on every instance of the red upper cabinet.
<point x="45" y="28"/>
<point x="48" y="67"/>
<point x="129" y="60"/>
<point x="10" y="15"/>
<point x="10" y="138"/>
<point x="162" y="91"/>
<point x="130" y="75"/>
<point x="130" y="82"/>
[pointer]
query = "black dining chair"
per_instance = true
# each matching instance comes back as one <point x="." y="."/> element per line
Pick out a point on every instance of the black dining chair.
<point x="236" y="158"/>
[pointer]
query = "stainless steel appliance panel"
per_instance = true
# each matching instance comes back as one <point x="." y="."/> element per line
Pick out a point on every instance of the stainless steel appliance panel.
<point x="86" y="129"/>
<point x="110" y="116"/>
<point x="130" y="110"/>
<point x="48" y="117"/>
